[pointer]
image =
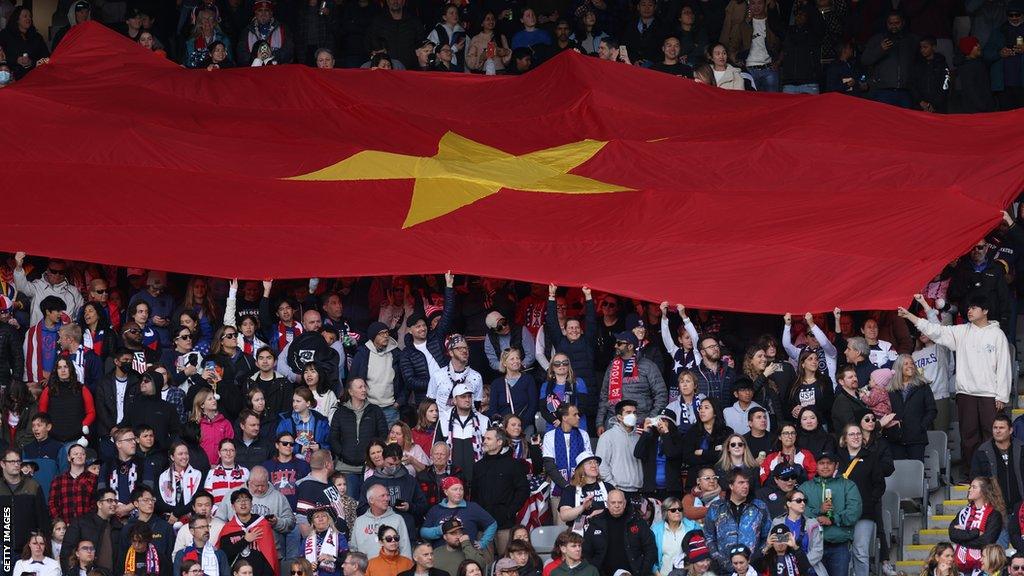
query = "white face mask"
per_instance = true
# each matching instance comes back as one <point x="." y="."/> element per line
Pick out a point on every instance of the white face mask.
<point x="629" y="419"/>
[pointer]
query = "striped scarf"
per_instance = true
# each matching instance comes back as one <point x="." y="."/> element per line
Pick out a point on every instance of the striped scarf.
<point x="971" y="518"/>
<point x="477" y="438"/>
<point x="152" y="561"/>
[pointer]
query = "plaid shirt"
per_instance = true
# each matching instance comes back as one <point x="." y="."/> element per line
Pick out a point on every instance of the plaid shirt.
<point x="72" y="497"/>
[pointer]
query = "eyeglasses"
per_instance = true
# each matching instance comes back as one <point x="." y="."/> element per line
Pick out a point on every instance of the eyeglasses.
<point x="87" y="548"/>
<point x="109" y="500"/>
<point x="132" y="331"/>
<point x="736" y="444"/>
<point x="149" y="501"/>
<point x="132" y="439"/>
<point x="200" y="526"/>
<point x="558" y="363"/>
<point x="854" y="434"/>
<point x="708" y="478"/>
<point x="790" y="433"/>
<point x="392" y="539"/>
<point x="798" y="500"/>
<point x="712" y="347"/>
<point x="18" y="462"/>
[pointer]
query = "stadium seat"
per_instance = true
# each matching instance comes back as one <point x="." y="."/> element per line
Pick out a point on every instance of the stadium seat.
<point x="47" y="472"/>
<point x="909" y="482"/>
<point x="543" y="538"/>
<point x="891" y="508"/>
<point x="939" y="441"/>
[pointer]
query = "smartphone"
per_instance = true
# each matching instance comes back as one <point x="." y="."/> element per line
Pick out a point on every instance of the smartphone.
<point x="491" y="49"/>
<point x="209" y="365"/>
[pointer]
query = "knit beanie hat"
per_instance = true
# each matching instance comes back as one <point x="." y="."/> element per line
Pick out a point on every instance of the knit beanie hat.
<point x="967" y="44"/>
<point x="882" y="376"/>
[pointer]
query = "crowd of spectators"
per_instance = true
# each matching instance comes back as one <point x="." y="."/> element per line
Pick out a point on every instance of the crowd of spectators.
<point x="176" y="425"/>
<point x="933" y="55"/>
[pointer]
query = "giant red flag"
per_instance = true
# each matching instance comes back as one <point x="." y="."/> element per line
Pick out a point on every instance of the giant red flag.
<point x="581" y="172"/>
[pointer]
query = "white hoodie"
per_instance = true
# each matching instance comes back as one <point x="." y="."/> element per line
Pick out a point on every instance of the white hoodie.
<point x="983" y="364"/>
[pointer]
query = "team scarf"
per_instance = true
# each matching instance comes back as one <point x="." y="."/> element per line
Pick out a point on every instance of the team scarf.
<point x="620" y="371"/>
<point x="207" y="558"/>
<point x="271" y="32"/>
<point x="328" y="543"/>
<point x="565" y="457"/>
<point x="250" y="345"/>
<point x="152" y="561"/>
<point x="478" y="435"/>
<point x="971" y="518"/>
<point x="129" y="470"/>
<point x="455" y="380"/>
<point x="284" y="334"/>
<point x="785" y="566"/>
<point x="35" y="350"/>
<point x="179" y="487"/>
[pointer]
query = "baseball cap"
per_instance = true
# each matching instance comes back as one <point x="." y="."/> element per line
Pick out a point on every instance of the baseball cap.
<point x="789" y="472"/>
<point x="461" y="389"/>
<point x="451" y="524"/>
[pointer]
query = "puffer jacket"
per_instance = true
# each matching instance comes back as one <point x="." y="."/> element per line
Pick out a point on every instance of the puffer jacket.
<point x="640" y="546"/>
<point x="413" y="365"/>
<point x="12" y="357"/>
<point x="647" y="389"/>
<point x="351" y="433"/>
<point x="723" y="529"/>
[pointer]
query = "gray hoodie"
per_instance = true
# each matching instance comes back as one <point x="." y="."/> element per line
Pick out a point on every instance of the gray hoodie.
<point x="364" y="533"/>
<point x="618" y="465"/>
<point x="380" y="373"/>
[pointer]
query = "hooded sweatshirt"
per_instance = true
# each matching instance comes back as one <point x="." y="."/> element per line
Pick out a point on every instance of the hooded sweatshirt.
<point x="983" y="364"/>
<point x="618" y="466"/>
<point x="364" y="533"/>
<point x="380" y="373"/>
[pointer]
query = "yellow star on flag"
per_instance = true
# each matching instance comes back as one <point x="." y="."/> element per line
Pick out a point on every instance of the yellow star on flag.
<point x="464" y="171"/>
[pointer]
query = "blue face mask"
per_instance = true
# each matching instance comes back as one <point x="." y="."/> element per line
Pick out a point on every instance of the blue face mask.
<point x="5" y="77"/>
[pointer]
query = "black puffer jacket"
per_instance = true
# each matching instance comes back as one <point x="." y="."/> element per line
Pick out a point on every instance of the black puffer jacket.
<point x="12" y="358"/>
<point x="641" y="549"/>
<point x="349" y="439"/>
<point x="413" y="364"/>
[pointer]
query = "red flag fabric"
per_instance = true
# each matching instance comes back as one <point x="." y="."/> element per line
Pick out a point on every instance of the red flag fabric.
<point x="580" y="172"/>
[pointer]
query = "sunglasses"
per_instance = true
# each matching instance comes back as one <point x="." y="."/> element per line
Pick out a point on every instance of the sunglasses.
<point x="101" y="291"/>
<point x="736" y="444"/>
<point x="297" y="572"/>
<point x="673" y="510"/>
<point x="283" y="443"/>
<point x="1017" y="567"/>
<point x="392" y="539"/>
<point x="868" y="419"/>
<point x="560" y="363"/>
<point x="185" y="337"/>
<point x="232" y="335"/>
<point x="798" y="500"/>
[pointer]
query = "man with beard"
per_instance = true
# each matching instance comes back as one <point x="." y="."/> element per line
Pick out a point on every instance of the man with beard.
<point x="631" y="378"/>
<point x="714" y="377"/>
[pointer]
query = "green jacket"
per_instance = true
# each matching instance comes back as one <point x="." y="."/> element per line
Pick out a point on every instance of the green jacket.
<point x="846" y="506"/>
<point x="584" y="569"/>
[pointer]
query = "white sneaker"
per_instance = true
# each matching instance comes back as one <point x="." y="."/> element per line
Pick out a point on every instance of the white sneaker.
<point x="888" y="569"/>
